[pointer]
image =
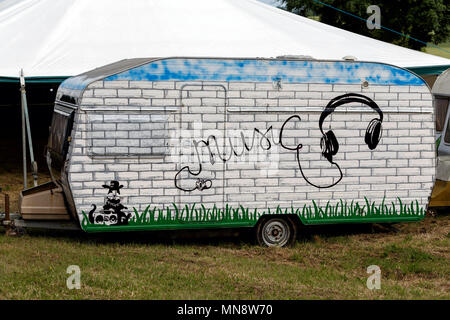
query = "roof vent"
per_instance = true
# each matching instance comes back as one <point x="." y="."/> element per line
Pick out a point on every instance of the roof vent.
<point x="296" y="57"/>
<point x="349" y="58"/>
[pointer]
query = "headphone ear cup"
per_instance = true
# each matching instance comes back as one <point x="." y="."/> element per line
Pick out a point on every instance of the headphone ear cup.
<point x="373" y="133"/>
<point x="329" y="145"/>
<point x="333" y="142"/>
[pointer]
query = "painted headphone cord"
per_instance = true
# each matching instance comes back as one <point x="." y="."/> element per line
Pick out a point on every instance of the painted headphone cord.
<point x="204" y="180"/>
<point x="298" y="148"/>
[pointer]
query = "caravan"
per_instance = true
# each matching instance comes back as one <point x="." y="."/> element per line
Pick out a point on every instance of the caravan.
<point x="441" y="93"/>
<point x="270" y="144"/>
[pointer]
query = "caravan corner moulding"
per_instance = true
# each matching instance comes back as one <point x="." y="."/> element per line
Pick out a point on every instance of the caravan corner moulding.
<point x="222" y="142"/>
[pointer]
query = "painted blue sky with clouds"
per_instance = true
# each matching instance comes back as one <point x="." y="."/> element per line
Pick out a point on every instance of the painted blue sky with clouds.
<point x="256" y="70"/>
<point x="259" y="70"/>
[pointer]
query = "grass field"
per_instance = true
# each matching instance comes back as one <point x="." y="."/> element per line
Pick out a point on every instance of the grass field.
<point x="326" y="263"/>
<point x="438" y="52"/>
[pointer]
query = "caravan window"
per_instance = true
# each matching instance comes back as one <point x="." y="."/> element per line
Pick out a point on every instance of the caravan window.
<point x="447" y="132"/>
<point x="441" y="112"/>
<point x="60" y="130"/>
<point x="116" y="134"/>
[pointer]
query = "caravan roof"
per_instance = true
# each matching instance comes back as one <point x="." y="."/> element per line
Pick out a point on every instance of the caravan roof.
<point x="290" y="70"/>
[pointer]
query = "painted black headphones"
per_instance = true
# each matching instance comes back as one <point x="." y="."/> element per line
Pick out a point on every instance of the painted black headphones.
<point x="329" y="143"/>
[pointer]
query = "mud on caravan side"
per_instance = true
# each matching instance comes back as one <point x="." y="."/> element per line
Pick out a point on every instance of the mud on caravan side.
<point x="214" y="142"/>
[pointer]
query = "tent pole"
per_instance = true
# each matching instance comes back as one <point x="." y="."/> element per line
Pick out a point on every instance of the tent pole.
<point x="24" y="146"/>
<point x="28" y="129"/>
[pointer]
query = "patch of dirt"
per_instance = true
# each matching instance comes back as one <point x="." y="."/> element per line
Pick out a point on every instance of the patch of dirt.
<point x="11" y="183"/>
<point x="11" y="174"/>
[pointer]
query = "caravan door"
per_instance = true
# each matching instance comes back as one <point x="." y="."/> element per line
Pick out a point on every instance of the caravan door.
<point x="200" y="166"/>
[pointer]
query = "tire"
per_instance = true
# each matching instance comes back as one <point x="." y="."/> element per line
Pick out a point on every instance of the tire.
<point x="276" y="232"/>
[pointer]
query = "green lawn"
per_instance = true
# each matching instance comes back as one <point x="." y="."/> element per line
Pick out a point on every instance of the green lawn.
<point x="438" y="52"/>
<point x="324" y="264"/>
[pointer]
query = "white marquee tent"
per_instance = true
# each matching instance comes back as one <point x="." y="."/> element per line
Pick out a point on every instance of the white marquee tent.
<point x="49" y="38"/>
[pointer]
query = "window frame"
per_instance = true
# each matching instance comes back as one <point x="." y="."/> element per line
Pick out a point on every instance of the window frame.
<point x="446" y="131"/>
<point x="438" y="100"/>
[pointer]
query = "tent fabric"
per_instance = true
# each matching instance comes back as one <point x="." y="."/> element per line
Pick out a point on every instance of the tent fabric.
<point x="33" y="79"/>
<point x="63" y="38"/>
<point x="441" y="86"/>
<point x="430" y="70"/>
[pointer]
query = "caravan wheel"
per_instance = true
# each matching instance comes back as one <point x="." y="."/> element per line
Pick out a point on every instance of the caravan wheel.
<point x="276" y="232"/>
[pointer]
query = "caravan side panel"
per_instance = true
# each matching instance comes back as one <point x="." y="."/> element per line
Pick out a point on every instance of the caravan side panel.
<point x="220" y="142"/>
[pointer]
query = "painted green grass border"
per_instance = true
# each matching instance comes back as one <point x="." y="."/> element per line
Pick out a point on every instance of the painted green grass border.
<point x="343" y="210"/>
<point x="198" y="216"/>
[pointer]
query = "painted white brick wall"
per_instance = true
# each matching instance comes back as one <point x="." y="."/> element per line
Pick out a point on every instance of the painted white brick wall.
<point x="123" y="133"/>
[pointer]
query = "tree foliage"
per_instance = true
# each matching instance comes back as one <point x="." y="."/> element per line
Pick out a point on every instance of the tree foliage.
<point x="426" y="20"/>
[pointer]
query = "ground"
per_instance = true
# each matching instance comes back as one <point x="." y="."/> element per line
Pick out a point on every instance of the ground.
<point x="11" y="183"/>
<point x="11" y="174"/>
<point x="438" y="52"/>
<point x="326" y="263"/>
